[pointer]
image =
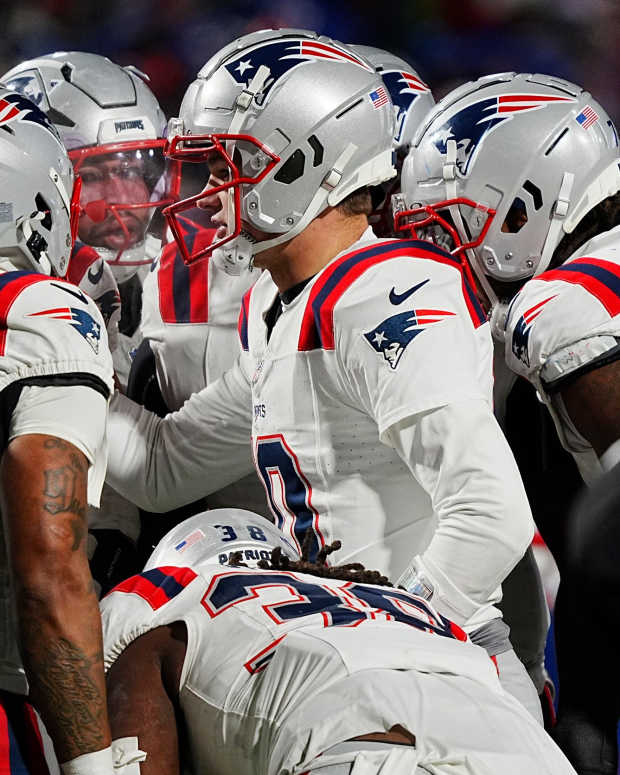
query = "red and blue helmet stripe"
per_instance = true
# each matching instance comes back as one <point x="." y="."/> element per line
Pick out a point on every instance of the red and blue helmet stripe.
<point x="468" y="127"/>
<point x="280" y="56"/>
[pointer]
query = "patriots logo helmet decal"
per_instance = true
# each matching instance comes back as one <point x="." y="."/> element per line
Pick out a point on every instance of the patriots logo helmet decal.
<point x="15" y="107"/>
<point x="280" y="56"/>
<point x="392" y="336"/>
<point x="28" y="84"/>
<point x="404" y="89"/>
<point x="521" y="332"/>
<point x="469" y="126"/>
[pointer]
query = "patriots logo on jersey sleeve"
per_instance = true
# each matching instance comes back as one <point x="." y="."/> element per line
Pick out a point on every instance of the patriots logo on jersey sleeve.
<point x="79" y="319"/>
<point x="282" y="56"/>
<point x="404" y="89"/>
<point x="521" y="332"/>
<point x="15" y="107"/>
<point x="391" y="337"/>
<point x="471" y="125"/>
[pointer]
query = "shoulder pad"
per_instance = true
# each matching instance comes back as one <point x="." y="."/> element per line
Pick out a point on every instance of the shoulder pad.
<point x="317" y="329"/>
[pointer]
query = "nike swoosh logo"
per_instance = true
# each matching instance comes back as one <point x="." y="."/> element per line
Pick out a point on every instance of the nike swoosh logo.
<point x="78" y="294"/>
<point x="398" y="298"/>
<point x="94" y="277"/>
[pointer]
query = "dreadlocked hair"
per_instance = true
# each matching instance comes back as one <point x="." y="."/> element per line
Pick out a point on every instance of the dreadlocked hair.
<point x="353" y="571"/>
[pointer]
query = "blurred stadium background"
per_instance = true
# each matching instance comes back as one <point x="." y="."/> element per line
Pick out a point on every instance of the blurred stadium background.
<point x="449" y="41"/>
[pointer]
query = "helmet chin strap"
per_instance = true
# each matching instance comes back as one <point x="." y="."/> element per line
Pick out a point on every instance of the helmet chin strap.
<point x="239" y="252"/>
<point x="234" y="259"/>
<point x="142" y="254"/>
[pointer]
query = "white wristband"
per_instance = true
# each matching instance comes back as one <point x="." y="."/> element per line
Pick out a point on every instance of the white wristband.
<point x="95" y="763"/>
<point x="127" y="756"/>
<point x="425" y="579"/>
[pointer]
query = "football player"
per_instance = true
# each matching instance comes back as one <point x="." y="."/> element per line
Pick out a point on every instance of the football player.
<point x="365" y="374"/>
<point x="55" y="380"/>
<point x="269" y="663"/>
<point x="190" y="313"/>
<point x="112" y="126"/>
<point x="523" y="591"/>
<point x="520" y="174"/>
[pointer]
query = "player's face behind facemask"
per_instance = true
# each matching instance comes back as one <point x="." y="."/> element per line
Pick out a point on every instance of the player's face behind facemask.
<point x="215" y="167"/>
<point x="213" y="537"/>
<point x="113" y="127"/>
<point x="120" y="191"/>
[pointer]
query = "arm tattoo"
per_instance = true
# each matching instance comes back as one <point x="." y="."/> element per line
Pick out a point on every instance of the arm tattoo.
<point x="55" y="443"/>
<point x="59" y="493"/>
<point x="63" y="674"/>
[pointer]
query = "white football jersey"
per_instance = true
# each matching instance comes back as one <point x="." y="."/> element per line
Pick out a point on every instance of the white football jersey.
<point x="52" y="340"/>
<point x="274" y="666"/>
<point x="365" y="345"/>
<point x="371" y="423"/>
<point x="128" y="343"/>
<point x="562" y="320"/>
<point x="92" y="274"/>
<point x="189" y="316"/>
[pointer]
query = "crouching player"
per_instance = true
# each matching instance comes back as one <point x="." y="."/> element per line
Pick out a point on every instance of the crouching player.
<point x="261" y="662"/>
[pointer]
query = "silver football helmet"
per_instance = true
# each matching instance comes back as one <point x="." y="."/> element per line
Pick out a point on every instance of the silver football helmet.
<point x="412" y="100"/>
<point x="211" y="537"/>
<point x="411" y="97"/>
<point x="113" y="127"/>
<point x="289" y="123"/>
<point x="503" y="168"/>
<point x="39" y="201"/>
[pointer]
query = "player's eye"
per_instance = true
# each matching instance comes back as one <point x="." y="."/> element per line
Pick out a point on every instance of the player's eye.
<point x="219" y="172"/>
<point x="131" y="173"/>
<point x="91" y="175"/>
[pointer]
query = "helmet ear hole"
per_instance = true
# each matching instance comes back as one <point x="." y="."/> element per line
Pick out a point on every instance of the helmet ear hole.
<point x="516" y="217"/>
<point x="292" y="169"/>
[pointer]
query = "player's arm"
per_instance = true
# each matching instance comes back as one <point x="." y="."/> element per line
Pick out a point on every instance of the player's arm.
<point x="484" y="525"/>
<point x="592" y="401"/>
<point x="163" y="463"/>
<point x="43" y="481"/>
<point x="143" y="686"/>
<point x="432" y="404"/>
<point x="561" y="351"/>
